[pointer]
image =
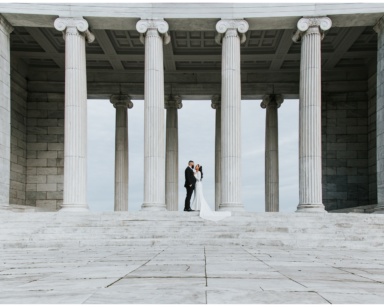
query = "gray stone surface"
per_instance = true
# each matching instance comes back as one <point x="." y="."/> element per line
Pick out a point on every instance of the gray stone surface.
<point x="195" y="270"/>
<point x="45" y="151"/>
<point x="345" y="148"/>
<point x="379" y="28"/>
<point x="18" y="163"/>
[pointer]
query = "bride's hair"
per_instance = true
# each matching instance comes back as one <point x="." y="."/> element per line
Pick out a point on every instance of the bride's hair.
<point x="201" y="171"/>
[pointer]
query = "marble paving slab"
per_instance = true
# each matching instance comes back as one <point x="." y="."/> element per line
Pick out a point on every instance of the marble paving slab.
<point x="52" y="297"/>
<point x="190" y="274"/>
<point x="109" y="296"/>
<point x="263" y="297"/>
<point x="352" y="298"/>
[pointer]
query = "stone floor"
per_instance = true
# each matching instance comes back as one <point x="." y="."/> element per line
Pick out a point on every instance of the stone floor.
<point x="191" y="274"/>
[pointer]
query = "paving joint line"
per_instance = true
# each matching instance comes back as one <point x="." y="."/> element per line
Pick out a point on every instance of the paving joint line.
<point x="136" y="268"/>
<point x="377" y="281"/>
<point x="274" y="268"/>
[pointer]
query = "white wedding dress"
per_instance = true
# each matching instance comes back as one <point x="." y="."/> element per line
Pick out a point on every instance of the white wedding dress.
<point x="199" y="203"/>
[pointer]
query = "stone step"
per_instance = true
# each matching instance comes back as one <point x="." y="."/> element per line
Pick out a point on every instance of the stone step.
<point x="56" y="230"/>
<point x="192" y="236"/>
<point x="157" y="216"/>
<point x="181" y="231"/>
<point x="130" y="243"/>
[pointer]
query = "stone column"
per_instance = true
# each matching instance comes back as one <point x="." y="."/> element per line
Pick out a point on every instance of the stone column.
<point x="75" y="32"/>
<point x="310" y="32"/>
<point x="271" y="103"/>
<point x="172" y="104"/>
<point x="5" y="111"/>
<point x="121" y="104"/>
<point x="154" y="35"/>
<point x="231" y="35"/>
<point x="379" y="27"/>
<point x="216" y="104"/>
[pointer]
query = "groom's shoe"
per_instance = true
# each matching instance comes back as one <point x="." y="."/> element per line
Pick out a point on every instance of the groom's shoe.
<point x="189" y="210"/>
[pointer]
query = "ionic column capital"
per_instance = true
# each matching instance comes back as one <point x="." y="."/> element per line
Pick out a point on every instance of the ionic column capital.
<point x="379" y="26"/>
<point x="308" y="25"/>
<point x="216" y="102"/>
<point x="172" y="102"/>
<point x="4" y="24"/>
<point x="272" y="100"/>
<point x="121" y="101"/>
<point x="74" y="26"/>
<point x="160" y="25"/>
<point x="239" y="25"/>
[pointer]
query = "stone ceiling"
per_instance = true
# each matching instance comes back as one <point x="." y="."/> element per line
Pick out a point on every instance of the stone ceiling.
<point x="265" y="50"/>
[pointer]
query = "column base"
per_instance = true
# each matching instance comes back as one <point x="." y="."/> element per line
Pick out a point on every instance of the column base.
<point x="74" y="208"/>
<point x="153" y="207"/>
<point x="231" y="207"/>
<point x="311" y="208"/>
<point x="379" y="209"/>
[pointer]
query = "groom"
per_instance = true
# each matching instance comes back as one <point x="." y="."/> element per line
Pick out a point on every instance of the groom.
<point x="190" y="181"/>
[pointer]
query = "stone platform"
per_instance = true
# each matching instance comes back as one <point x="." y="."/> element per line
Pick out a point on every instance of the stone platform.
<point x="175" y="257"/>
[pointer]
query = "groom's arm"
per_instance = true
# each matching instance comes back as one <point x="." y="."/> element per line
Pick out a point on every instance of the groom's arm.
<point x="192" y="178"/>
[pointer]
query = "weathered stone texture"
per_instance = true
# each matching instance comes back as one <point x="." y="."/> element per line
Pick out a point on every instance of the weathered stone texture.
<point x="372" y="171"/>
<point x="345" y="150"/>
<point x="45" y="150"/>
<point x="18" y="133"/>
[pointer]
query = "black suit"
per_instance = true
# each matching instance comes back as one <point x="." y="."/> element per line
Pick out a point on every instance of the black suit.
<point x="190" y="182"/>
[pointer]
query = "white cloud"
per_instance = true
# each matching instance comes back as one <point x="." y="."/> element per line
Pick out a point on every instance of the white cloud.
<point x="196" y="142"/>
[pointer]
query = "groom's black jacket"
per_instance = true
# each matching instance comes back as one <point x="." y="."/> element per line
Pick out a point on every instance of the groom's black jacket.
<point x="189" y="177"/>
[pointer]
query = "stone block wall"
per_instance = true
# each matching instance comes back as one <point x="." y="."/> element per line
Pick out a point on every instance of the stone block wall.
<point x="18" y="133"/>
<point x="345" y="150"/>
<point x="372" y="171"/>
<point x="45" y="150"/>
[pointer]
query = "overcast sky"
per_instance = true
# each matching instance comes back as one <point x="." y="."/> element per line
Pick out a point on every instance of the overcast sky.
<point x="196" y="142"/>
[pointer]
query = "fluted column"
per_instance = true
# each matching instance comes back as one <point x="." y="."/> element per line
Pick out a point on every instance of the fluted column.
<point x="310" y="32"/>
<point x="379" y="28"/>
<point x="75" y="32"/>
<point x="216" y="104"/>
<point x="5" y="111"/>
<point x="121" y="104"/>
<point x="154" y="35"/>
<point x="172" y="104"/>
<point x="231" y="35"/>
<point x="271" y="103"/>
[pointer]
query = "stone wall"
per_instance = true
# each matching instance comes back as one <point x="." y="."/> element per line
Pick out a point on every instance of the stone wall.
<point x="345" y="150"/>
<point x="18" y="132"/>
<point x="45" y="150"/>
<point x="372" y="171"/>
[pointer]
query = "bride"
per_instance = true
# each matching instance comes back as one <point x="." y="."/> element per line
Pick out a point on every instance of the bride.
<point x="199" y="202"/>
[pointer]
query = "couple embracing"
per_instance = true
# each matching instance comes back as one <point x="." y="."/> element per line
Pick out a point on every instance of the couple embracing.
<point x="193" y="184"/>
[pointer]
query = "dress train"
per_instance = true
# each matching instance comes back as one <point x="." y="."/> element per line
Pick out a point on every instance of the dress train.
<point x="199" y="203"/>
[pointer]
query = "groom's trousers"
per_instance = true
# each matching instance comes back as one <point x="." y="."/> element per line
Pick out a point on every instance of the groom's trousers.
<point x="187" y="204"/>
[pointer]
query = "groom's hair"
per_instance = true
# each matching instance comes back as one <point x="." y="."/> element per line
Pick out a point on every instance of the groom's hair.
<point x="190" y="161"/>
